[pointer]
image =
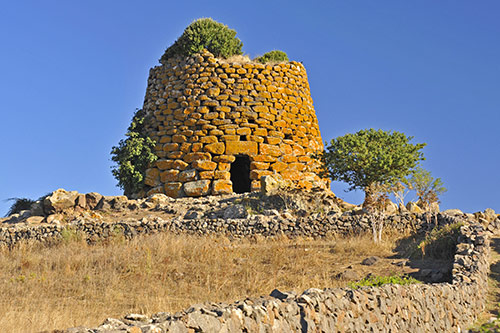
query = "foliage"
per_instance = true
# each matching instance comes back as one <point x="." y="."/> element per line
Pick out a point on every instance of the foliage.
<point x="426" y="187"/>
<point x="493" y="325"/>
<point x="69" y="234"/>
<point x="133" y="156"/>
<point x="19" y="205"/>
<point x="370" y="156"/>
<point x="205" y="33"/>
<point x="273" y="56"/>
<point x="377" y="281"/>
<point x="441" y="242"/>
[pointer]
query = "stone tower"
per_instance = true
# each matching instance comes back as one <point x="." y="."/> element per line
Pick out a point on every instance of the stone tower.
<point x="220" y="126"/>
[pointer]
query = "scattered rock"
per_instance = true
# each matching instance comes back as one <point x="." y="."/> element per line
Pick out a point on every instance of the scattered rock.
<point x="370" y="261"/>
<point x="348" y="275"/>
<point x="282" y="295"/>
<point x="235" y="212"/>
<point x="92" y="199"/>
<point x="414" y="208"/>
<point x="35" y="219"/>
<point x="453" y="212"/>
<point x="59" y="200"/>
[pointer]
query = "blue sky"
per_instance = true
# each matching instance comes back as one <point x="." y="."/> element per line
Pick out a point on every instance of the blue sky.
<point x="73" y="72"/>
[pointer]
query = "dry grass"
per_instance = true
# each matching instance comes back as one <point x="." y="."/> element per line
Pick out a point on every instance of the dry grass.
<point x="71" y="283"/>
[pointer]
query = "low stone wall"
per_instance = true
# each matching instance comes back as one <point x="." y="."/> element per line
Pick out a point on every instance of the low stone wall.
<point x="443" y="307"/>
<point x="268" y="226"/>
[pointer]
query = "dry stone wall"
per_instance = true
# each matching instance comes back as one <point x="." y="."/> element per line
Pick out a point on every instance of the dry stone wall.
<point x="221" y="126"/>
<point x="442" y="307"/>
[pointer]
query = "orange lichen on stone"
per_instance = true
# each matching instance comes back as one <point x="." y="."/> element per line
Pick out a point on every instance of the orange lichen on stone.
<point x="209" y="117"/>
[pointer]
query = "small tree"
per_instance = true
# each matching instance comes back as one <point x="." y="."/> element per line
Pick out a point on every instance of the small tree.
<point x="426" y="187"/>
<point x="133" y="156"/>
<point x="205" y="33"/>
<point x="370" y="157"/>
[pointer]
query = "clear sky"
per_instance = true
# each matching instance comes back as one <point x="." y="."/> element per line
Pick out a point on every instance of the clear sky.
<point x="73" y="72"/>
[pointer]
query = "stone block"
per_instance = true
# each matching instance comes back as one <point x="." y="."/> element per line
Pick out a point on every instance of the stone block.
<point x="152" y="177"/>
<point x="219" y="174"/>
<point x="173" y="189"/>
<point x="204" y="165"/>
<point x="259" y="166"/>
<point x="263" y="158"/>
<point x="222" y="186"/>
<point x="170" y="147"/>
<point x="187" y="175"/>
<point x="164" y="164"/>
<point x="215" y="148"/>
<point x="179" y="138"/>
<point x="279" y="166"/>
<point x="169" y="176"/>
<point x="292" y="175"/>
<point x="266" y="149"/>
<point x="256" y="174"/>
<point x="224" y="158"/>
<point x="179" y="165"/>
<point x="191" y="157"/>
<point x="197" y="188"/>
<point x="206" y="174"/>
<point x="241" y="147"/>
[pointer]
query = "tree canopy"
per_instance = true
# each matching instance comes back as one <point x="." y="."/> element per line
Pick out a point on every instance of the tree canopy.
<point x="133" y="156"/>
<point x="205" y="33"/>
<point x="369" y="157"/>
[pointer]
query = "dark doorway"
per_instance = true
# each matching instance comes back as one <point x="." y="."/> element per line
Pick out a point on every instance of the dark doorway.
<point x="240" y="174"/>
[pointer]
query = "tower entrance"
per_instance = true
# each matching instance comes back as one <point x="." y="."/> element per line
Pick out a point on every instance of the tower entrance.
<point x="240" y="174"/>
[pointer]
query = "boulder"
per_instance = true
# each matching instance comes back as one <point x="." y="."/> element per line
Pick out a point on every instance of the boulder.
<point x="268" y="185"/>
<point x="59" y="200"/>
<point x="489" y="214"/>
<point x="35" y="219"/>
<point x="391" y="208"/>
<point x="271" y="184"/>
<point x="159" y="199"/>
<point x="92" y="199"/>
<point x="412" y="207"/>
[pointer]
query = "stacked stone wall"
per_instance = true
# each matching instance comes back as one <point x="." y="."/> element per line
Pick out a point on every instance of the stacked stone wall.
<point x="442" y="307"/>
<point x="203" y="112"/>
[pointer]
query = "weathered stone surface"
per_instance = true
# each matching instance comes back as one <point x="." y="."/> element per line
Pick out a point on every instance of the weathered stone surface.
<point x="222" y="186"/>
<point x="187" y="176"/>
<point x="241" y="147"/>
<point x="152" y="177"/>
<point x="230" y="110"/>
<point x="412" y="207"/>
<point x="173" y="189"/>
<point x="197" y="188"/>
<point x="59" y="200"/>
<point x="204" y="165"/>
<point x="215" y="148"/>
<point x="92" y="199"/>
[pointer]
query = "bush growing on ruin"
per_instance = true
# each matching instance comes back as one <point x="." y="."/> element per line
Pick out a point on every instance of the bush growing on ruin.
<point x="377" y="281"/>
<point x="133" y="156"/>
<point x="273" y="56"/>
<point x="426" y="187"/>
<point x="208" y="34"/>
<point x="19" y="204"/>
<point x="370" y="157"/>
